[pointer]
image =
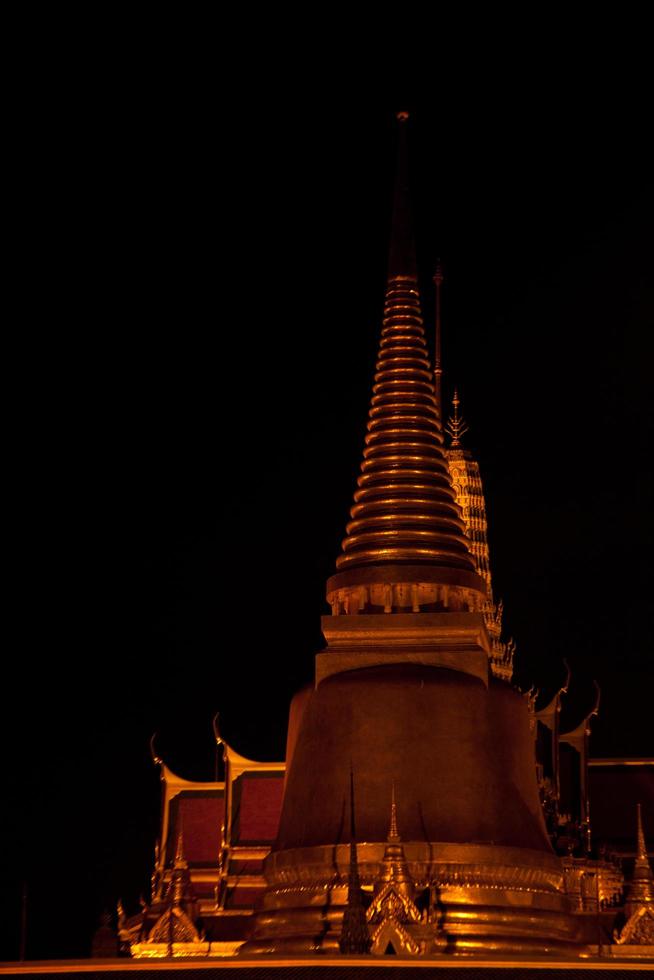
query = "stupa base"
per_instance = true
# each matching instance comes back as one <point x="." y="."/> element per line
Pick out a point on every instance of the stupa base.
<point x="473" y="899"/>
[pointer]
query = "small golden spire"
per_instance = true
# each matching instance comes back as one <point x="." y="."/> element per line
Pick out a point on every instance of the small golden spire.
<point x="640" y="890"/>
<point x="641" y="849"/>
<point x="394" y="867"/>
<point x="179" y="878"/>
<point x="642" y="869"/>
<point x="456" y="426"/>
<point x="180" y="860"/>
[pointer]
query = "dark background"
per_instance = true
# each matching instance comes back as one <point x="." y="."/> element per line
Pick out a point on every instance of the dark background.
<point x="199" y="269"/>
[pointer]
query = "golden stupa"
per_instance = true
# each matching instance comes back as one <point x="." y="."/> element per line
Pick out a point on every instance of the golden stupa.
<point x="404" y="694"/>
<point x="412" y="711"/>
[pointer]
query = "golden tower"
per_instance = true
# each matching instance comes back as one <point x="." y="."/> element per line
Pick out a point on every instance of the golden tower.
<point x="467" y="485"/>
<point x="405" y="694"/>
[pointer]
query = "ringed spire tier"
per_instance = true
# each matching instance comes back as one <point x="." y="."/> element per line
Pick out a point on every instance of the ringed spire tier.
<point x="405" y="508"/>
<point x="405" y="512"/>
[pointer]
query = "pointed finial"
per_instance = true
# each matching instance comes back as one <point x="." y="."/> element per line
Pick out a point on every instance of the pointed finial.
<point x="456" y="426"/>
<point x="402" y="256"/>
<point x="393" y="836"/>
<point x="438" y="369"/>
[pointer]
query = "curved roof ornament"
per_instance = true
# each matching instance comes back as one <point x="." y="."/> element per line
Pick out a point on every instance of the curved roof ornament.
<point x="216" y="729"/>
<point x="157" y="760"/>
<point x="598" y="695"/>
<point x="566" y="686"/>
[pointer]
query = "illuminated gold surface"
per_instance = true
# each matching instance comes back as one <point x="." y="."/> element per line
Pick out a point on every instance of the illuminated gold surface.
<point x="589" y="883"/>
<point x="487" y="897"/>
<point x="405" y="507"/>
<point x="413" y="589"/>
<point x="638" y="929"/>
<point x="641" y="888"/>
<point x="393" y="914"/>
<point x="466" y="481"/>
<point x="457" y="641"/>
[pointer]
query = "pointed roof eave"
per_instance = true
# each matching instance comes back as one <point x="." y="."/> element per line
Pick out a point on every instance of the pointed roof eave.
<point x="576" y="736"/>
<point x="239" y="763"/>
<point x="175" y="782"/>
<point x="548" y="713"/>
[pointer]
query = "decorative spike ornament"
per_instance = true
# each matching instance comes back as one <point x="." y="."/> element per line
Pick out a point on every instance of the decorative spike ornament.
<point x="640" y="890"/>
<point x="355" y="939"/>
<point x="456" y="426"/>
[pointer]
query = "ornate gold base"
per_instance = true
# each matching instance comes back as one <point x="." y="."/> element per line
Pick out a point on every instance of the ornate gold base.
<point x="477" y="899"/>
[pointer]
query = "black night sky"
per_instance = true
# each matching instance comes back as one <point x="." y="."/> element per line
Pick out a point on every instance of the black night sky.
<point x="192" y="369"/>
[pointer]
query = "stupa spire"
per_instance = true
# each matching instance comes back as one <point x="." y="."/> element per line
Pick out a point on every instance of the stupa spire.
<point x="394" y="867"/>
<point x="641" y="848"/>
<point x="402" y="253"/>
<point x="404" y="508"/>
<point x="642" y="882"/>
